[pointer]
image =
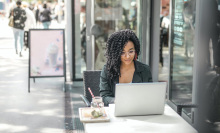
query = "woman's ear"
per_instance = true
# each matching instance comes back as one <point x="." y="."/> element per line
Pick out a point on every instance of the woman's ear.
<point x="135" y="57"/>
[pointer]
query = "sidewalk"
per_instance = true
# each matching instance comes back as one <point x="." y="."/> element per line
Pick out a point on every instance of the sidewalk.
<point x="46" y="109"/>
<point x="6" y="31"/>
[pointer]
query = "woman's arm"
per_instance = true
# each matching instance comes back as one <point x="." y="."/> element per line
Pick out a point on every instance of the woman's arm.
<point x="105" y="88"/>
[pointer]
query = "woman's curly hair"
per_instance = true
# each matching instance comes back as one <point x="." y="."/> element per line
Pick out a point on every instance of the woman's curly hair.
<point x="115" y="45"/>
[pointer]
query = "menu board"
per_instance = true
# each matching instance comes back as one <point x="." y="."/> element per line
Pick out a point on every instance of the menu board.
<point x="46" y="53"/>
<point x="178" y="23"/>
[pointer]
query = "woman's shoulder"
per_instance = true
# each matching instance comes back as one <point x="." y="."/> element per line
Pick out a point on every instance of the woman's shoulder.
<point x="104" y="70"/>
<point x="141" y="66"/>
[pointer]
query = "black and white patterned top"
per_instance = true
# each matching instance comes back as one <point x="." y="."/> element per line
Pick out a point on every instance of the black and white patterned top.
<point x="19" y="18"/>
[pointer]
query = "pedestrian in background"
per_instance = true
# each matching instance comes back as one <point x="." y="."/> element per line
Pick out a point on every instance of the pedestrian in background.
<point x="30" y="23"/>
<point x="19" y="24"/>
<point x="37" y="12"/>
<point x="45" y="17"/>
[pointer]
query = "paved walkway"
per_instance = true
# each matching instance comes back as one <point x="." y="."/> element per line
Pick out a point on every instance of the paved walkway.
<point x="47" y="109"/>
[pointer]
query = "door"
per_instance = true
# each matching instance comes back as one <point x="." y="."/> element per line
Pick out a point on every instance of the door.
<point x="182" y="57"/>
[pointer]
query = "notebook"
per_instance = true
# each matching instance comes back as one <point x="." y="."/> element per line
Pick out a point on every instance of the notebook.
<point x="140" y="98"/>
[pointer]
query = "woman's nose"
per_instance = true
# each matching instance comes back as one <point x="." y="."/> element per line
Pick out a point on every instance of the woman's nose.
<point x="127" y="55"/>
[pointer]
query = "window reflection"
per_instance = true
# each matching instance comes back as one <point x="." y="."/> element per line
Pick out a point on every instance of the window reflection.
<point x="83" y="31"/>
<point x="164" y="39"/>
<point x="182" y="48"/>
<point x="80" y="37"/>
<point x="111" y="16"/>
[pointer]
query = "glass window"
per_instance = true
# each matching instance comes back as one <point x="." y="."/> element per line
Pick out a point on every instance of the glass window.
<point x="111" y="16"/>
<point x="164" y="39"/>
<point x="182" y="51"/>
<point x="80" y="37"/>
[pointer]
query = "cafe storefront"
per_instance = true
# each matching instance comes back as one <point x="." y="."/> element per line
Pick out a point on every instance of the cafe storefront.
<point x="192" y="50"/>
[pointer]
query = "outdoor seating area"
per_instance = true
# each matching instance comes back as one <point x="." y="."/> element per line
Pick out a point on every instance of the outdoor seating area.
<point x="110" y="66"/>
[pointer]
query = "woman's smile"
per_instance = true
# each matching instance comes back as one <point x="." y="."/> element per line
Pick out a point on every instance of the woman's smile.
<point x="127" y="60"/>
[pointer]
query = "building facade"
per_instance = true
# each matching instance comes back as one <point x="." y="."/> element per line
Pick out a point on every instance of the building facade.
<point x="180" y="37"/>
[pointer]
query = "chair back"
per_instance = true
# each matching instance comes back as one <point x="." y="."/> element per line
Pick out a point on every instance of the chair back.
<point x="91" y="79"/>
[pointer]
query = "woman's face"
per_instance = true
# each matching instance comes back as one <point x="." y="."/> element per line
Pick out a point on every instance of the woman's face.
<point x="128" y="53"/>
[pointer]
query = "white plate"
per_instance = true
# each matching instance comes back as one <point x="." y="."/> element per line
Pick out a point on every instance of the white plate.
<point x="85" y="116"/>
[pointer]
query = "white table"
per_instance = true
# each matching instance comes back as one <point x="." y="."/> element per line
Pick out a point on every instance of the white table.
<point x="169" y="122"/>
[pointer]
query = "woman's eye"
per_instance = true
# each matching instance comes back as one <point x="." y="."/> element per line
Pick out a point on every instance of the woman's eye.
<point x="131" y="52"/>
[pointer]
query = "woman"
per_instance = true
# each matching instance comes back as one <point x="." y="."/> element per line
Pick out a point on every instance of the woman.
<point x="19" y="23"/>
<point x="123" y="48"/>
<point x="45" y="17"/>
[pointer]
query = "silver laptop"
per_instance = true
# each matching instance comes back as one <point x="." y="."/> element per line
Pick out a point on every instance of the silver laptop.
<point x="140" y="98"/>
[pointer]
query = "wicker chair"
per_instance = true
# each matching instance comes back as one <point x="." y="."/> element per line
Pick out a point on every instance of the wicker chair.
<point x="90" y="79"/>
